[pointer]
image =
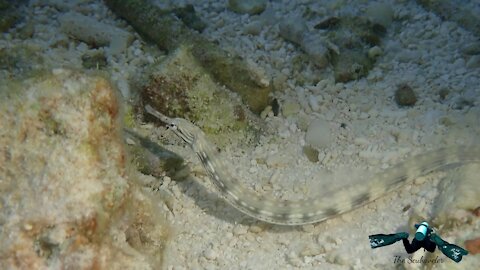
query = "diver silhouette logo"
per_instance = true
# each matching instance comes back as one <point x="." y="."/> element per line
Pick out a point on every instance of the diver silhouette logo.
<point x="425" y="237"/>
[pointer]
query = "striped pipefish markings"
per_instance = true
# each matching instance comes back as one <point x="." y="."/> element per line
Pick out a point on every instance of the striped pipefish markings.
<point x="316" y="209"/>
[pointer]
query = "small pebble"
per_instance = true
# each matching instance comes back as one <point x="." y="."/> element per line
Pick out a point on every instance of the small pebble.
<point x="473" y="246"/>
<point x="256" y="228"/>
<point x="318" y="134"/>
<point x="239" y="230"/>
<point x="275" y="107"/>
<point x="266" y="112"/>
<point x="290" y="107"/>
<point x="313" y="102"/>
<point x="375" y="52"/>
<point x="311" y="153"/>
<point x="327" y="247"/>
<point x="210" y="254"/>
<point x="308" y="228"/>
<point x="293" y="259"/>
<point x="312" y="250"/>
<point x="253" y="28"/>
<point x="404" y="96"/>
<point x="361" y="141"/>
<point x="27" y="226"/>
<point x="129" y="141"/>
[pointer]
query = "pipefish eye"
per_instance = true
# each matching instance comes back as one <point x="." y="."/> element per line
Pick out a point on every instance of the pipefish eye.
<point x="172" y="126"/>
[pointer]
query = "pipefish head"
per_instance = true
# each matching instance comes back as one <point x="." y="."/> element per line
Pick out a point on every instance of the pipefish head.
<point x="181" y="127"/>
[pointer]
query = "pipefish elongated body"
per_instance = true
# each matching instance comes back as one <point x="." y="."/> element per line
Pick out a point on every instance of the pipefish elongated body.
<point x="319" y="208"/>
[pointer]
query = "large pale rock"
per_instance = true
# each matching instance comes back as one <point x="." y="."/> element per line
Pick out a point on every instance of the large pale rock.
<point x="67" y="200"/>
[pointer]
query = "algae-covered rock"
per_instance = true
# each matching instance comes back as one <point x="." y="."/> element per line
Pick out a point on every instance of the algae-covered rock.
<point x="180" y="87"/>
<point x="68" y="199"/>
<point x="234" y="73"/>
